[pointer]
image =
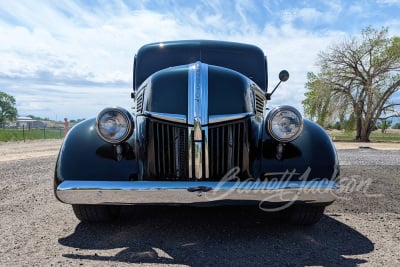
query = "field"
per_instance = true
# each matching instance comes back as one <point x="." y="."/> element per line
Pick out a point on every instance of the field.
<point x="392" y="135"/>
<point x="22" y="134"/>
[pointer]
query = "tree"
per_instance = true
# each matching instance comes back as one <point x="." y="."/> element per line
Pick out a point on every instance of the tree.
<point x="8" y="111"/>
<point x="356" y="81"/>
<point x="384" y="125"/>
<point x="317" y="103"/>
<point x="396" y="126"/>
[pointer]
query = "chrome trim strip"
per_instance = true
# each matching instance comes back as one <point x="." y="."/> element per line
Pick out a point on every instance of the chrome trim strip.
<point x="197" y="131"/>
<point x="229" y="117"/>
<point x="129" y="192"/>
<point x="198" y="93"/>
<point x="204" y="117"/>
<point x="206" y="155"/>
<point x="190" y="151"/>
<point x="191" y="92"/>
<point x="167" y="116"/>
<point x="204" y="93"/>
<point x="198" y="159"/>
<point x="197" y="114"/>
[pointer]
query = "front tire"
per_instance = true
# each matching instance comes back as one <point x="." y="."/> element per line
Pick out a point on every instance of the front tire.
<point x="96" y="213"/>
<point x="304" y="214"/>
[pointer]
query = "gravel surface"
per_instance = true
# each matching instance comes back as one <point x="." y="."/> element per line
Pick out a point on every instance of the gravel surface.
<point x="369" y="157"/>
<point x="29" y="149"/>
<point x="360" y="228"/>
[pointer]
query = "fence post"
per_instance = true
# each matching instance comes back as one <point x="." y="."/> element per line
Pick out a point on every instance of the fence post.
<point x="23" y="131"/>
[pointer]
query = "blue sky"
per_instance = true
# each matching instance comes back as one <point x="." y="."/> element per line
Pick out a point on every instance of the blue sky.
<point x="73" y="58"/>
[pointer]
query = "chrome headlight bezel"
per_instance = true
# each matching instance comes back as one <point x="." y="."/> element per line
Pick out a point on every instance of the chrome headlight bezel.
<point x="273" y="128"/>
<point x="120" y="127"/>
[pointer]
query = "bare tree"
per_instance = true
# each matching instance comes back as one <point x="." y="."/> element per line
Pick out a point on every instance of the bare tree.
<point x="357" y="78"/>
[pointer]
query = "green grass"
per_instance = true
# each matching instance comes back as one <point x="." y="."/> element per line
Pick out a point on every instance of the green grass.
<point x="376" y="136"/>
<point x="8" y="135"/>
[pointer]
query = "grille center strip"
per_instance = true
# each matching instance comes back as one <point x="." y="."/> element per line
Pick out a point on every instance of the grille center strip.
<point x="198" y="116"/>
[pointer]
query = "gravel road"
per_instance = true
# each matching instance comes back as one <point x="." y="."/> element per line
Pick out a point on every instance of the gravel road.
<point x="360" y="228"/>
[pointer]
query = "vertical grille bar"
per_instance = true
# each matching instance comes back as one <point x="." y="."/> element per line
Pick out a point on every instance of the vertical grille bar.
<point x="226" y="148"/>
<point x="158" y="146"/>
<point x="229" y="154"/>
<point x="221" y="137"/>
<point x="170" y="151"/>
<point x="169" y="157"/>
<point x="177" y="155"/>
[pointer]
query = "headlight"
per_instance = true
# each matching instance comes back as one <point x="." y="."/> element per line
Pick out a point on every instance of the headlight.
<point x="114" y="125"/>
<point x="284" y="123"/>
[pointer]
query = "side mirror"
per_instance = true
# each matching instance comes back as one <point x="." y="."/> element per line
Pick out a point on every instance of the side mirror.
<point x="283" y="77"/>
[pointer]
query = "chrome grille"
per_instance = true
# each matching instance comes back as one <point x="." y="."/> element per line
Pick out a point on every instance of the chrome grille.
<point x="170" y="151"/>
<point x="226" y="143"/>
<point x="259" y="104"/>
<point x="139" y="103"/>
<point x="227" y="148"/>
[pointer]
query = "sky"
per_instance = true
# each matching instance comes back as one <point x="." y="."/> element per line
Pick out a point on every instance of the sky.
<point x="74" y="58"/>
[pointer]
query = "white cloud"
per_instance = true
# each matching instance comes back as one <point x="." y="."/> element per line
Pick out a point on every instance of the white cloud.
<point x="62" y="58"/>
<point x="357" y="9"/>
<point x="388" y="2"/>
<point x="308" y="15"/>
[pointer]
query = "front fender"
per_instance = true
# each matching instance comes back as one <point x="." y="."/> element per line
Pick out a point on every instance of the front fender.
<point x="312" y="156"/>
<point x="85" y="156"/>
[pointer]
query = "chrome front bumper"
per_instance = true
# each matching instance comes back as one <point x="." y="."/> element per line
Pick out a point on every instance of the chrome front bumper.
<point x="140" y="192"/>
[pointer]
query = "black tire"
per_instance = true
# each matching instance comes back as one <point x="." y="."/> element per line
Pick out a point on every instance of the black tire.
<point x="305" y="215"/>
<point x="96" y="213"/>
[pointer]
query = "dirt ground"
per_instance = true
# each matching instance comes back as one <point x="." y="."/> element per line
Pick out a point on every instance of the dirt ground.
<point x="360" y="229"/>
<point x="29" y="149"/>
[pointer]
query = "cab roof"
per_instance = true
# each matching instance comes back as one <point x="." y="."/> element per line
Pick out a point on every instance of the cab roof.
<point x="244" y="58"/>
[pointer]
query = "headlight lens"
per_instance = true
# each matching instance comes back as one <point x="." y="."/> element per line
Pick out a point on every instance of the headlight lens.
<point x="114" y="125"/>
<point x="284" y="123"/>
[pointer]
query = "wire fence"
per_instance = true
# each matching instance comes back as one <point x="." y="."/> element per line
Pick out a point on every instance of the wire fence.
<point x="23" y="133"/>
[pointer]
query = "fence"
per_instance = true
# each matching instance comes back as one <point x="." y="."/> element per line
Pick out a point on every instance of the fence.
<point x="14" y="133"/>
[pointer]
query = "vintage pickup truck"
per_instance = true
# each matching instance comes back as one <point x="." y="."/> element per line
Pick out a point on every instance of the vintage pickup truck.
<point x="200" y="133"/>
